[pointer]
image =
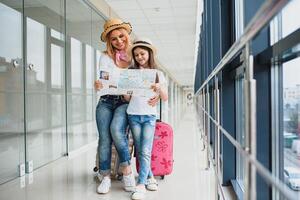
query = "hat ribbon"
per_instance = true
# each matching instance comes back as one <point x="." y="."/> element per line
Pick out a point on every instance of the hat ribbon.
<point x="141" y="42"/>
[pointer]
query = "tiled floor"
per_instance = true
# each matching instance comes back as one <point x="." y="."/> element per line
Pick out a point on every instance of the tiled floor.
<point x="73" y="178"/>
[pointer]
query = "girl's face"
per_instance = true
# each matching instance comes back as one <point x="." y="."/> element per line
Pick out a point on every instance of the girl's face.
<point x="118" y="39"/>
<point x="141" y="56"/>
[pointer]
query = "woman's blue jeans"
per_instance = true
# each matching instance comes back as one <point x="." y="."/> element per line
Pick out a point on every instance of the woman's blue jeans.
<point x="112" y="122"/>
<point x="143" y="127"/>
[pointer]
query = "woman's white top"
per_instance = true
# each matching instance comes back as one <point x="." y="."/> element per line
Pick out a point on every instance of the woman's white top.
<point x="106" y="62"/>
<point x="138" y="105"/>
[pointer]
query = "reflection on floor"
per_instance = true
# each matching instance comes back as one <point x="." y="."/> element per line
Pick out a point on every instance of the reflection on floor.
<point x="73" y="178"/>
<point x="43" y="146"/>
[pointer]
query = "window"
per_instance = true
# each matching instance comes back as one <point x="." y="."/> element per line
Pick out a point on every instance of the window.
<point x="76" y="63"/>
<point x="286" y="136"/>
<point x="240" y="129"/>
<point x="239" y="17"/>
<point x="56" y="66"/>
<point x="289" y="13"/>
<point x="36" y="46"/>
<point x="291" y="124"/>
<point x="57" y="34"/>
<point x="89" y="54"/>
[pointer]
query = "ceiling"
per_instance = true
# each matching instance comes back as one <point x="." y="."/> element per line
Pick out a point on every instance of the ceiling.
<point x="172" y="27"/>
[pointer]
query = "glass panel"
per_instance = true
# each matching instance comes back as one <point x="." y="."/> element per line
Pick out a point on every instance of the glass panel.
<point x="98" y="59"/>
<point x="97" y="24"/>
<point x="57" y="34"/>
<point x="291" y="124"/>
<point x="89" y="54"/>
<point x="81" y="74"/>
<point x="36" y="46"/>
<point x="45" y="100"/>
<point x="57" y="66"/>
<point x="76" y="63"/>
<point x="285" y="157"/>
<point x="239" y="17"/>
<point x="11" y="90"/>
<point x="240" y="130"/>
<point x="289" y="14"/>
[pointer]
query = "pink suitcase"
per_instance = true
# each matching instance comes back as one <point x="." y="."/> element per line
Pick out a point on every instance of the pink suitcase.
<point x="162" y="150"/>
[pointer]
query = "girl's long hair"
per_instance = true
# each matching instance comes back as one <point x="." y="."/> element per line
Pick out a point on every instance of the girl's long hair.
<point x="111" y="51"/>
<point x="151" y="62"/>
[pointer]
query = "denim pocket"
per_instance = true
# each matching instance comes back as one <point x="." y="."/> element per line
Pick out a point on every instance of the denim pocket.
<point x="152" y="119"/>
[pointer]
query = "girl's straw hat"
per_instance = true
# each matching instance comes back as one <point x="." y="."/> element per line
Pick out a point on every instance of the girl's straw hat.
<point x="145" y="42"/>
<point x="112" y="24"/>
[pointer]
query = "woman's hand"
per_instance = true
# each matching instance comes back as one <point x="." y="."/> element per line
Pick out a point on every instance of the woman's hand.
<point x="127" y="97"/>
<point x="98" y="85"/>
<point x="153" y="100"/>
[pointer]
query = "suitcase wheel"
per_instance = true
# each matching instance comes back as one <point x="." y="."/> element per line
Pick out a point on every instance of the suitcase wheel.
<point x="119" y="177"/>
<point x="95" y="169"/>
<point x="162" y="177"/>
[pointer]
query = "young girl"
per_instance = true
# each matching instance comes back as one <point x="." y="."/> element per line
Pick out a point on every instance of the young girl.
<point x="142" y="116"/>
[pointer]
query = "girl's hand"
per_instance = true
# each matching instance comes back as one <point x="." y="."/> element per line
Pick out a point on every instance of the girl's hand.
<point x="153" y="100"/>
<point x="98" y="85"/>
<point x="156" y="87"/>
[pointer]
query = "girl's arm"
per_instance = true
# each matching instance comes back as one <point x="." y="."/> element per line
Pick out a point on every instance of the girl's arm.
<point x="161" y="91"/>
<point x="153" y="100"/>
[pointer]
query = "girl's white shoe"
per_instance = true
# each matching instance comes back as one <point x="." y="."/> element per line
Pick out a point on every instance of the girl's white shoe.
<point x="139" y="193"/>
<point x="104" y="186"/>
<point x="152" y="184"/>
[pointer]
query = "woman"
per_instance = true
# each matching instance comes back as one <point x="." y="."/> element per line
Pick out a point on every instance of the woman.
<point x="111" y="110"/>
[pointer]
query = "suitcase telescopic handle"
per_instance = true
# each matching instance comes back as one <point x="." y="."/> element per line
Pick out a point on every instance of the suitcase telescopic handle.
<point x="160" y="111"/>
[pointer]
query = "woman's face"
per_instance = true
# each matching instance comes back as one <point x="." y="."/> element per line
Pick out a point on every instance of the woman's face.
<point x="118" y="39"/>
<point x="141" y="56"/>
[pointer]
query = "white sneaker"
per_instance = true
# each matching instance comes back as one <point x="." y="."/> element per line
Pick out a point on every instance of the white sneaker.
<point x="129" y="182"/>
<point x="100" y="176"/>
<point x="139" y="193"/>
<point x="104" y="186"/>
<point x="152" y="184"/>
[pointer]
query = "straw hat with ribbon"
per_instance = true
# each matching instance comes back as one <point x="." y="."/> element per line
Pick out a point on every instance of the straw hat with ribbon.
<point x="112" y="24"/>
<point x="145" y="42"/>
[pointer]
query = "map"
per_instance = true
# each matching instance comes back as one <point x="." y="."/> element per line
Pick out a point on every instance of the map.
<point x="127" y="81"/>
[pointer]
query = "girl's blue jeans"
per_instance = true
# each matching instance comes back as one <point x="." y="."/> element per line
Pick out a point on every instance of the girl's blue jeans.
<point x="143" y="127"/>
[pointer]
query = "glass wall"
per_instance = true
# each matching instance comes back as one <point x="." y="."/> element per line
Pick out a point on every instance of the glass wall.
<point x="44" y="96"/>
<point x="84" y="48"/>
<point x="266" y="125"/>
<point x="12" y="145"/>
<point x="46" y="91"/>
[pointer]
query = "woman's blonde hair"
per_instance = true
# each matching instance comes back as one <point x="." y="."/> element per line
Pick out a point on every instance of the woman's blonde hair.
<point x="110" y="50"/>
